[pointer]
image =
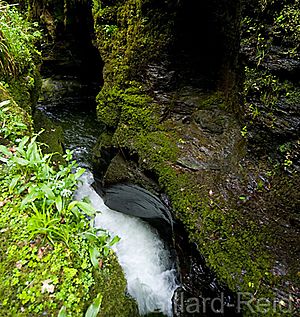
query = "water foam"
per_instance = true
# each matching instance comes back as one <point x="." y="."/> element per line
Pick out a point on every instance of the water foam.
<point x="151" y="280"/>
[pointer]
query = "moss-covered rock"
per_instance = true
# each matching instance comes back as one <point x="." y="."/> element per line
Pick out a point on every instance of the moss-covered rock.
<point x="190" y="141"/>
<point x="52" y="135"/>
<point x="15" y="121"/>
<point x="113" y="284"/>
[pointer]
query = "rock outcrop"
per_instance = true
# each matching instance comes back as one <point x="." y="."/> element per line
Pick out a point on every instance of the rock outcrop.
<point x="171" y="102"/>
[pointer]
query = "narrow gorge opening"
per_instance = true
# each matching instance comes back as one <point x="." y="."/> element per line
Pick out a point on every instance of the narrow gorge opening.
<point x="76" y="61"/>
<point x="202" y="44"/>
<point x="72" y="72"/>
<point x="73" y="52"/>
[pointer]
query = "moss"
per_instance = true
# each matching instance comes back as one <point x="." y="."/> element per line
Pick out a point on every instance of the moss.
<point x="232" y="243"/>
<point x="130" y="106"/>
<point x="129" y="35"/>
<point x="224" y="226"/>
<point x="38" y="278"/>
<point x="113" y="285"/>
<point x="52" y="135"/>
<point x="25" y="89"/>
<point x="233" y="246"/>
<point x="15" y="125"/>
<point x="26" y="267"/>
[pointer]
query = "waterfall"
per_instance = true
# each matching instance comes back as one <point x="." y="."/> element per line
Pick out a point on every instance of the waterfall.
<point x="144" y="257"/>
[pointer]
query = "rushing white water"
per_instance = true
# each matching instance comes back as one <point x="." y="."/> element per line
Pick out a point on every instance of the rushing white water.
<point x="151" y="280"/>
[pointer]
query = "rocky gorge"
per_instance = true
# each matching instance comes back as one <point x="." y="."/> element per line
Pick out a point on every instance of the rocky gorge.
<point x="198" y="104"/>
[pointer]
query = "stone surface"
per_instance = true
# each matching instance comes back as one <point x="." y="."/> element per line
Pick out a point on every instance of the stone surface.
<point x="219" y="174"/>
<point x="136" y="201"/>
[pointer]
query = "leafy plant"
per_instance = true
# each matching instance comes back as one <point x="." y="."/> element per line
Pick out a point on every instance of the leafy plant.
<point x="10" y="126"/>
<point x="17" y="41"/>
<point x="7" y="62"/>
<point x="47" y="198"/>
<point x="42" y="223"/>
<point x="92" y="310"/>
<point x="94" y="307"/>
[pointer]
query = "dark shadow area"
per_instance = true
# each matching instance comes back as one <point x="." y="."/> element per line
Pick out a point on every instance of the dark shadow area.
<point x="201" y="293"/>
<point x="201" y="45"/>
<point x="73" y="53"/>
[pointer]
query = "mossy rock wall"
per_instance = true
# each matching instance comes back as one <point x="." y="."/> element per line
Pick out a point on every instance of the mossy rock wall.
<point x="194" y="142"/>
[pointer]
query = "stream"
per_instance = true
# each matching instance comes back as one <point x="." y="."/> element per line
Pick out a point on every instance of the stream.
<point x="164" y="277"/>
<point x="145" y="258"/>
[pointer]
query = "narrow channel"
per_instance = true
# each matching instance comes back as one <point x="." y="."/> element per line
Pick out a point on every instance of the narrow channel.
<point x="160" y="277"/>
<point x="145" y="258"/>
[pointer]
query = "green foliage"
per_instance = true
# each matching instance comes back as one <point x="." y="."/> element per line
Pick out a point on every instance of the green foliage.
<point x="7" y="63"/>
<point x="94" y="307"/>
<point x="262" y="86"/>
<point x="286" y="27"/>
<point x="60" y="250"/>
<point x="47" y="196"/>
<point x="91" y="312"/>
<point x="10" y="127"/>
<point x="19" y="58"/>
<point x="269" y="32"/>
<point x="17" y="38"/>
<point x="268" y="27"/>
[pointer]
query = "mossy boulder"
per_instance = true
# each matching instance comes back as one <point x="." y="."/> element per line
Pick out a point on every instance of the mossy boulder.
<point x="16" y="122"/>
<point x="51" y="134"/>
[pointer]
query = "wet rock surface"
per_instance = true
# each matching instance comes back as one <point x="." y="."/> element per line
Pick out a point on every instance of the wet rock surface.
<point x="212" y="153"/>
<point x="199" y="284"/>
<point x="219" y="173"/>
<point x="136" y="201"/>
<point x="278" y="63"/>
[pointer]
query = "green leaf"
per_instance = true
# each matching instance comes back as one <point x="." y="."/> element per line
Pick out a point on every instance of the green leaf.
<point x="58" y="203"/>
<point x="4" y="103"/>
<point x="85" y="207"/>
<point x="62" y="312"/>
<point x="79" y="173"/>
<point x="21" y="161"/>
<point x="13" y="183"/>
<point x="20" y="125"/>
<point x="22" y="144"/>
<point x="115" y="240"/>
<point x="3" y="160"/>
<point x="91" y="237"/>
<point x="28" y="199"/>
<point x="106" y="251"/>
<point x="94" y="254"/>
<point x="5" y="150"/>
<point x="72" y="204"/>
<point x="48" y="192"/>
<point x="94" y="308"/>
<point x="32" y="153"/>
